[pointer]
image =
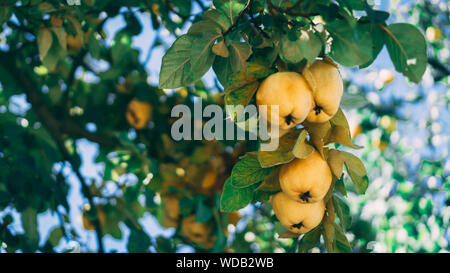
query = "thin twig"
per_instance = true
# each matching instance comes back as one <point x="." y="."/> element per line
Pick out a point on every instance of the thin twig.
<point x="202" y="6"/>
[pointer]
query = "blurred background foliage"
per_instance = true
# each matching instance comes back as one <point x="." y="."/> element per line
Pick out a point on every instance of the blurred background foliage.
<point x="76" y="177"/>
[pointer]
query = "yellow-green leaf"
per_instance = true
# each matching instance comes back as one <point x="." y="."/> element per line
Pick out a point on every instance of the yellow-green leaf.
<point x="328" y="226"/>
<point x="301" y="148"/>
<point x="309" y="240"/>
<point x="336" y="162"/>
<point x="284" y="152"/>
<point x="221" y="49"/>
<point x="44" y="40"/>
<point x="288" y="235"/>
<point x="356" y="171"/>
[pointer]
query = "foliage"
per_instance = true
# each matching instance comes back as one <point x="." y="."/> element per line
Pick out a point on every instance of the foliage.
<point x="78" y="83"/>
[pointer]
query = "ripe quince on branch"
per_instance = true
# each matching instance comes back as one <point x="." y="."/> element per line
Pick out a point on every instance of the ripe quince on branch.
<point x="291" y="93"/>
<point x="171" y="211"/>
<point x="138" y="113"/>
<point x="306" y="180"/>
<point x="327" y="85"/>
<point x="199" y="233"/>
<point x="295" y="216"/>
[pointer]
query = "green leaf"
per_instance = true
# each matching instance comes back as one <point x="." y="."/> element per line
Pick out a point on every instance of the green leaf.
<point x="133" y="26"/>
<point x="239" y="79"/>
<point x="5" y="14"/>
<point x="408" y="50"/>
<point x="112" y="228"/>
<point x="339" y="186"/>
<point x="231" y="8"/>
<point x="176" y="64"/>
<point x="30" y="226"/>
<point x="239" y="53"/>
<point x="138" y="241"/>
<point x="184" y="6"/>
<point x="271" y="182"/>
<point x="288" y="235"/>
<point x="55" y="236"/>
<point x="377" y="43"/>
<point x="44" y="40"/>
<point x="202" y="56"/>
<point x="343" y="211"/>
<point x="318" y="133"/>
<point x="356" y="4"/>
<point x="283" y="154"/>
<point x="328" y="227"/>
<point x="203" y="213"/>
<point x="341" y="135"/>
<point x="340" y="131"/>
<point x="377" y="16"/>
<point x="259" y="68"/>
<point x="342" y="244"/>
<point x="308" y="46"/>
<point x="309" y="240"/>
<point x="236" y="62"/>
<point x="46" y="7"/>
<point x="221" y="240"/>
<point x="54" y="55"/>
<point x="242" y="95"/>
<point x="290" y="50"/>
<point x="351" y="45"/>
<point x="233" y="199"/>
<point x="353" y="101"/>
<point x="204" y="25"/>
<point x="356" y="171"/>
<point x="261" y="196"/>
<point x="218" y="18"/>
<point x="61" y="35"/>
<point x="222" y="68"/>
<point x="336" y="162"/>
<point x="75" y="27"/>
<point x="248" y="172"/>
<point x="165" y="245"/>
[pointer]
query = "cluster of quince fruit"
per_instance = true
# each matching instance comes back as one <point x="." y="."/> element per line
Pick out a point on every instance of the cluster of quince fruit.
<point x="312" y="96"/>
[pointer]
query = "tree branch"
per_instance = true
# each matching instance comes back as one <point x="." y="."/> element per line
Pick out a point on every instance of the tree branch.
<point x="439" y="67"/>
<point x="201" y="5"/>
